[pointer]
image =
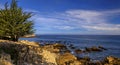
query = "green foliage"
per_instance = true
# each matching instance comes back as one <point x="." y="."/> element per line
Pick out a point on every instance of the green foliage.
<point x="14" y="22"/>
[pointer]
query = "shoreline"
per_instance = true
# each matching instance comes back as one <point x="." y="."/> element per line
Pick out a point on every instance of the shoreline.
<point x="50" y="54"/>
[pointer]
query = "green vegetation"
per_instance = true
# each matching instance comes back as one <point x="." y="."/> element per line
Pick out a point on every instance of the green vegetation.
<point x="14" y="22"/>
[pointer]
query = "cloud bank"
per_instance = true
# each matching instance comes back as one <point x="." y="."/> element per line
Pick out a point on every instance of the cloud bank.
<point x="77" y="22"/>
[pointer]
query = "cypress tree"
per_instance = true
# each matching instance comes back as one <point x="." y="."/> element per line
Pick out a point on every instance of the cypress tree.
<point x="14" y="22"/>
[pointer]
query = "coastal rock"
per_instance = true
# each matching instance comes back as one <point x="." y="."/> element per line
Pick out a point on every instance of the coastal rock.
<point x="78" y="51"/>
<point x="71" y="46"/>
<point x="65" y="59"/>
<point x="76" y="63"/>
<point x="101" y="47"/>
<point x="4" y="62"/>
<point x="5" y="59"/>
<point x="110" y="60"/>
<point x="59" y="46"/>
<point x="27" y="53"/>
<point x="56" y="48"/>
<point x="31" y="53"/>
<point x="49" y="57"/>
<point x="94" y="48"/>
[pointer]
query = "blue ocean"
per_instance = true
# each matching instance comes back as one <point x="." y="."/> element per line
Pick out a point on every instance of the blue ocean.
<point x="110" y="42"/>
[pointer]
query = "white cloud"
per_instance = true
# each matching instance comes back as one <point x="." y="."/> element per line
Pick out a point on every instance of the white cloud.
<point x="31" y="10"/>
<point x="89" y="20"/>
<point x="88" y="16"/>
<point x="64" y="27"/>
<point x="112" y="11"/>
<point x="95" y="20"/>
<point x="104" y="28"/>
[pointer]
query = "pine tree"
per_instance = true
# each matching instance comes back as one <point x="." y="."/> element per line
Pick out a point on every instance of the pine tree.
<point x="14" y="22"/>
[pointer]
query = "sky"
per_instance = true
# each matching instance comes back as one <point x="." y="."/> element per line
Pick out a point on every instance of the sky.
<point x="91" y="17"/>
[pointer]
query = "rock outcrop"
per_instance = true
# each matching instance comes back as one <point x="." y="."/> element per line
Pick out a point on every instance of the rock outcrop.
<point x="110" y="60"/>
<point x="32" y="53"/>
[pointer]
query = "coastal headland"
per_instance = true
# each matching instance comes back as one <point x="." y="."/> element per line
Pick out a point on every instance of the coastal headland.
<point x="32" y="53"/>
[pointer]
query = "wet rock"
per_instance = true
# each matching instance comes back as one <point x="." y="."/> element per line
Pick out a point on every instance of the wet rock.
<point x="59" y="46"/>
<point x="78" y="51"/>
<point x="71" y="46"/>
<point x="101" y="47"/>
<point x="86" y="58"/>
<point x="94" y="48"/>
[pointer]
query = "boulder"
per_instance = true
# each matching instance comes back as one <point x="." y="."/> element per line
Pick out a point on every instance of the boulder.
<point x="101" y="47"/>
<point x="59" y="46"/>
<point x="111" y="60"/>
<point x="66" y="58"/>
<point x="71" y="46"/>
<point x="94" y="48"/>
<point x="78" y="51"/>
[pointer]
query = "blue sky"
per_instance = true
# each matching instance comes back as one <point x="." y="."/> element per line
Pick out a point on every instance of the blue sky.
<point x="101" y="17"/>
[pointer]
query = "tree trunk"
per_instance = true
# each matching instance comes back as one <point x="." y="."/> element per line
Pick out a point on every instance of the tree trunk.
<point x="14" y="38"/>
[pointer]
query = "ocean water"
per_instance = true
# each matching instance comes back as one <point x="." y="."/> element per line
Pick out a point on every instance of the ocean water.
<point x="110" y="42"/>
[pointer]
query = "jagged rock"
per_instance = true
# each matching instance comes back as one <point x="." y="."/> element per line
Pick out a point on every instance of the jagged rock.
<point x="4" y="62"/>
<point x="110" y="60"/>
<point x="66" y="58"/>
<point x="49" y="57"/>
<point x="92" y="49"/>
<point x="71" y="46"/>
<point x="59" y="46"/>
<point x="76" y="63"/>
<point x="5" y="59"/>
<point x="86" y="58"/>
<point x="78" y="51"/>
<point x="101" y="47"/>
<point x="30" y="53"/>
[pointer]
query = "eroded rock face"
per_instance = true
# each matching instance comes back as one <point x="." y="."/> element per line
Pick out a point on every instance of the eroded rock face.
<point x="25" y="53"/>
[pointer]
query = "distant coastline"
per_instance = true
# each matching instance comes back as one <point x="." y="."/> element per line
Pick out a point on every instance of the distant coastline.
<point x="29" y="36"/>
